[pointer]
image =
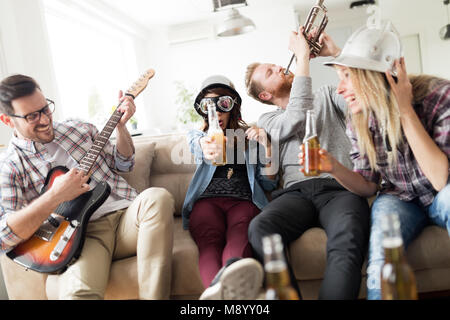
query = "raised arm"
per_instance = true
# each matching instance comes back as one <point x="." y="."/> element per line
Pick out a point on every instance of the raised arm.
<point x="124" y="142"/>
<point x="433" y="161"/>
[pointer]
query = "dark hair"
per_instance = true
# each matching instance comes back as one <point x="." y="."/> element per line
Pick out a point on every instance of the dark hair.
<point x="14" y="87"/>
<point x="235" y="122"/>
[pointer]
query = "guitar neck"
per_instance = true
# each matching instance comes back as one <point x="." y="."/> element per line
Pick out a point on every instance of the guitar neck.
<point x="88" y="161"/>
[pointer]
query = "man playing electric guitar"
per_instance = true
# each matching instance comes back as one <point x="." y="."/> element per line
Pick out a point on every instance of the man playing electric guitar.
<point x="126" y="224"/>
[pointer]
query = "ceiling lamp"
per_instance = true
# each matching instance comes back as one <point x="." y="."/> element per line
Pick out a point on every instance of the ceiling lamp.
<point x="361" y="3"/>
<point x="444" y="33"/>
<point x="234" y="23"/>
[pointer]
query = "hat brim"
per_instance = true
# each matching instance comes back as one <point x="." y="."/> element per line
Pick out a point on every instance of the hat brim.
<point x="359" y="63"/>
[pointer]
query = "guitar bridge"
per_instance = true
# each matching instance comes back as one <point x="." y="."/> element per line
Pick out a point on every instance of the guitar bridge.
<point x="47" y="229"/>
<point x="64" y="240"/>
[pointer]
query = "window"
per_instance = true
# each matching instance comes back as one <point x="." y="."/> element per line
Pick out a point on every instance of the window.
<point x="92" y="60"/>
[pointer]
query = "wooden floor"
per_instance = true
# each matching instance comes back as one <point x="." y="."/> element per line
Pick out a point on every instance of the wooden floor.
<point x="445" y="295"/>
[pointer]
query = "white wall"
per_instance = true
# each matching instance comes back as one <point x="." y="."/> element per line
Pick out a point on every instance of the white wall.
<point x="424" y="18"/>
<point x="24" y="44"/>
<point x="193" y="61"/>
<point x="24" y="47"/>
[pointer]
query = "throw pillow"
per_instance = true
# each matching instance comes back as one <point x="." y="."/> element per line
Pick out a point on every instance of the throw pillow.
<point x="140" y="176"/>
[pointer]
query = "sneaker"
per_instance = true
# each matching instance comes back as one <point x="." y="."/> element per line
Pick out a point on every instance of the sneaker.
<point x="239" y="279"/>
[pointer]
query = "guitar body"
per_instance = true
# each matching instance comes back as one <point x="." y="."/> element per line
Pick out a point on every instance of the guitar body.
<point x="59" y="240"/>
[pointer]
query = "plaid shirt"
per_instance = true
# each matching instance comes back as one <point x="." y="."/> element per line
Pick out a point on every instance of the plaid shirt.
<point x="25" y="165"/>
<point x="406" y="180"/>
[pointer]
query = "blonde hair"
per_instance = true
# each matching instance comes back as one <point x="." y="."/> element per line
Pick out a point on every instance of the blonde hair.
<point x="254" y="88"/>
<point x="375" y="96"/>
<point x="424" y="84"/>
<point x="373" y="93"/>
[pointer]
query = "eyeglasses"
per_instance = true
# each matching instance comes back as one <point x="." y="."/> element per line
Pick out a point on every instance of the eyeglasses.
<point x="35" y="117"/>
<point x="223" y="103"/>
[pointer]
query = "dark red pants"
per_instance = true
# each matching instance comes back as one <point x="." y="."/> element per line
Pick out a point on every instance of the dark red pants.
<point x="219" y="227"/>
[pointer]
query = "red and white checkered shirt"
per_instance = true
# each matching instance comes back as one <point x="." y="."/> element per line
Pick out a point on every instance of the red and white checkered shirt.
<point x="25" y="166"/>
<point x="405" y="179"/>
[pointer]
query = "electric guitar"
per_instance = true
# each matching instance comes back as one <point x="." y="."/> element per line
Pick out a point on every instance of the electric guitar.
<point x="59" y="240"/>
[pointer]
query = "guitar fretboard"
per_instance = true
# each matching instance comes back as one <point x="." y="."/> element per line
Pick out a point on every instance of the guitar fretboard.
<point x="87" y="162"/>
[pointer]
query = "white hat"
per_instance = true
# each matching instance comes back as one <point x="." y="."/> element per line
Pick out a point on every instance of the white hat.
<point x="215" y="81"/>
<point x="371" y="48"/>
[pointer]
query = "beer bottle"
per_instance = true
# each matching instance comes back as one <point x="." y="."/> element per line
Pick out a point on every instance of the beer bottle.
<point x="216" y="133"/>
<point x="278" y="285"/>
<point x="397" y="277"/>
<point x="311" y="146"/>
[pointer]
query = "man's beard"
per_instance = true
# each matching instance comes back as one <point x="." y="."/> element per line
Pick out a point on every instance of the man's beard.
<point x="284" y="89"/>
<point x="44" y="137"/>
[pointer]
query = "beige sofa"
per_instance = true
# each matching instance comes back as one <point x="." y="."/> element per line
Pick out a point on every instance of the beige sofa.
<point x="429" y="254"/>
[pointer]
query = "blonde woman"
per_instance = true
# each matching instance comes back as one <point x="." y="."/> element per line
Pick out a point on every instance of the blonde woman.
<point x="400" y="132"/>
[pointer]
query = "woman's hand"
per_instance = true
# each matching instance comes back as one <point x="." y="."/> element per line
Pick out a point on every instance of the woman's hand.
<point x="402" y="89"/>
<point x="211" y="149"/>
<point x="327" y="162"/>
<point x="329" y="47"/>
<point x="257" y="134"/>
<point x="431" y="159"/>
<point x="352" y="181"/>
<point x="260" y="135"/>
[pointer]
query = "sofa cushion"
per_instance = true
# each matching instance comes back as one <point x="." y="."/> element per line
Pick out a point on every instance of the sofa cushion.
<point x="173" y="165"/>
<point x="140" y="176"/>
<point x="172" y="155"/>
<point x="430" y="250"/>
<point x="307" y="254"/>
<point x="186" y="280"/>
<point x="176" y="183"/>
<point x="22" y="283"/>
<point x="123" y="283"/>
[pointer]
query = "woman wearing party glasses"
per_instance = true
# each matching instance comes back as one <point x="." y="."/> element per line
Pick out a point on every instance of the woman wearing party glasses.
<point x="222" y="200"/>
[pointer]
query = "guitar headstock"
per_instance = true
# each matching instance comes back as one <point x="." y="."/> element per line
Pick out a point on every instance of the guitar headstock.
<point x="141" y="83"/>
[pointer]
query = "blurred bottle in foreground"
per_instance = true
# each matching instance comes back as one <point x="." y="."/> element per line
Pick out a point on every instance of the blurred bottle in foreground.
<point x="278" y="285"/>
<point x="397" y="277"/>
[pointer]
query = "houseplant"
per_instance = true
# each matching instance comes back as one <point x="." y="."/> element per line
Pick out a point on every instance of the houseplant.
<point x="186" y="114"/>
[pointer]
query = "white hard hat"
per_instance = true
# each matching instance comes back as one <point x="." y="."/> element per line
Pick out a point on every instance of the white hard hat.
<point x="371" y="48"/>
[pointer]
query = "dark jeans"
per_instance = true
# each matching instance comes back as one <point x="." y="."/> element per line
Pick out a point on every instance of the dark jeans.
<point x="343" y="215"/>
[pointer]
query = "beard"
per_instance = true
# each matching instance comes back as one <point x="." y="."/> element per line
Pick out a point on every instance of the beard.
<point x="284" y="87"/>
<point x="45" y="136"/>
